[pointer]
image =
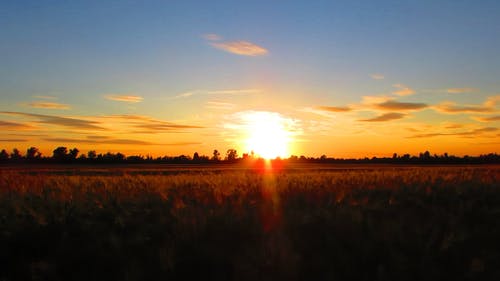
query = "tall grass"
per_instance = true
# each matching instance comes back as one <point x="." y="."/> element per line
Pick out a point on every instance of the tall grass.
<point x="351" y="224"/>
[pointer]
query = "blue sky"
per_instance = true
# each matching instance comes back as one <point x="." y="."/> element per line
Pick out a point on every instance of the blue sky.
<point x="325" y="53"/>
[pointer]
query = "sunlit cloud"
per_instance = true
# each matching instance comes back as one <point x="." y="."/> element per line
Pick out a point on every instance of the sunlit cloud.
<point x="147" y="124"/>
<point x="377" y="76"/>
<point x="395" y="106"/>
<point x="182" y="143"/>
<point x="243" y="48"/>
<point x="212" y="37"/>
<point x="101" y="141"/>
<point x="489" y="106"/>
<point x="49" y="105"/>
<point x="74" y="123"/>
<point x="403" y="90"/>
<point x="471" y="133"/>
<point x="487" y="119"/>
<point x="385" y="117"/>
<point x="334" y="108"/>
<point x="218" y="92"/>
<point x="14" y="126"/>
<point x="124" y="98"/>
<point x="370" y="100"/>
<point x="13" y="140"/>
<point x="461" y="90"/>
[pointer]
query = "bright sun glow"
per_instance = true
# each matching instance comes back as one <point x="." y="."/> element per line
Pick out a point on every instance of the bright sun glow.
<point x="267" y="134"/>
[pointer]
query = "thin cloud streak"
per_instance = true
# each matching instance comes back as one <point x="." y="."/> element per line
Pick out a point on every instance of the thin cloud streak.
<point x="49" y="105"/>
<point x="124" y="98"/>
<point x="377" y="76"/>
<point x="334" y="108"/>
<point x="403" y="90"/>
<point x="14" y="126"/>
<point x="103" y="141"/>
<point x="476" y="132"/>
<point x="461" y="90"/>
<point x="243" y="48"/>
<point x="74" y="123"/>
<point x="385" y="117"/>
<point x="395" y="105"/>
<point x="218" y="92"/>
<point x="487" y="119"/>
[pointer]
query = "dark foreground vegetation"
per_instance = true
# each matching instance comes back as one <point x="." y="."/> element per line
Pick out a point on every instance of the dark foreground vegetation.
<point x="394" y="223"/>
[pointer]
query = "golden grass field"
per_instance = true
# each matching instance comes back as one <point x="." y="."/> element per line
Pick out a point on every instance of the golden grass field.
<point x="315" y="222"/>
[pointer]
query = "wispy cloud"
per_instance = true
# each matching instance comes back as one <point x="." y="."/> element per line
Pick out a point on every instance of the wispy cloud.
<point x="243" y="48"/>
<point x="212" y="37"/>
<point x="489" y="106"/>
<point x="395" y="106"/>
<point x="487" y="119"/>
<point x="14" y="126"/>
<point x="403" y="90"/>
<point x="334" y="108"/>
<point x="461" y="90"/>
<point x="147" y="124"/>
<point x="49" y="105"/>
<point x="385" y="117"/>
<point x="470" y="133"/>
<point x="182" y="143"/>
<point x="43" y="97"/>
<point x="218" y="92"/>
<point x="377" y="76"/>
<point x="124" y="98"/>
<point x="73" y="123"/>
<point x="219" y="105"/>
<point x="100" y="141"/>
<point x="13" y="140"/>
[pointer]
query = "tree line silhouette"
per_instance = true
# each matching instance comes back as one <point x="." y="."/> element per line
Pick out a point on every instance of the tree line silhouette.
<point x="64" y="155"/>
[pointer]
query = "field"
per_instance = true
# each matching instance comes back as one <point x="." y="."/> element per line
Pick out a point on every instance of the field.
<point x="244" y="223"/>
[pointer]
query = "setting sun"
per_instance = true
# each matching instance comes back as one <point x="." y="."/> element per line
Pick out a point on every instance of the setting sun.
<point x="267" y="134"/>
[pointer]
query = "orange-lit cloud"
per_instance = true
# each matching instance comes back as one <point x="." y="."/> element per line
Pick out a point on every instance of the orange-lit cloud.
<point x="451" y="107"/>
<point x="74" y="123"/>
<point x="14" y="126"/>
<point x="385" y="117"/>
<point x="461" y="90"/>
<point x="470" y="133"/>
<point x="334" y="108"/>
<point x="396" y="106"/>
<point x="13" y="140"/>
<point x="403" y="90"/>
<point x="99" y="141"/>
<point x="218" y="92"/>
<point x="124" y="98"/>
<point x="377" y="76"/>
<point x="243" y="48"/>
<point x="487" y="119"/>
<point x="48" y="105"/>
<point x="147" y="124"/>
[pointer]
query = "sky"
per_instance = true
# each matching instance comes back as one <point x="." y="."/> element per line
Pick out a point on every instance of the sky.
<point x="339" y="78"/>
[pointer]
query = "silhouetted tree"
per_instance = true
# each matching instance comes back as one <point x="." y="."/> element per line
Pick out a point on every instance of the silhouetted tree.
<point x="4" y="156"/>
<point x="73" y="153"/>
<point x="33" y="153"/>
<point x="60" y="153"/>
<point x="16" y="154"/>
<point x="231" y="154"/>
<point x="91" y="154"/>
<point x="196" y="157"/>
<point x="216" y="155"/>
